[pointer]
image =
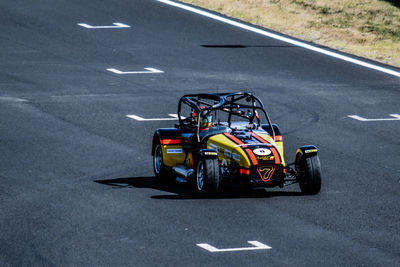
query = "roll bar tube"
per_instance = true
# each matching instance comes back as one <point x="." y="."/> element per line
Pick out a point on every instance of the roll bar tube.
<point x="222" y="103"/>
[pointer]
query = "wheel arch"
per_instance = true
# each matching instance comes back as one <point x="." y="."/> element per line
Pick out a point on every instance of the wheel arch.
<point x="307" y="151"/>
<point x="165" y="136"/>
<point x="208" y="153"/>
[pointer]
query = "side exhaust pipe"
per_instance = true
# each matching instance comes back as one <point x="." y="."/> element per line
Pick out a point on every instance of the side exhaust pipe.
<point x="183" y="172"/>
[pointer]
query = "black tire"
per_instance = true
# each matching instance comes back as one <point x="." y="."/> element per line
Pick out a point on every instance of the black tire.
<point x="309" y="174"/>
<point x="161" y="172"/>
<point x="207" y="176"/>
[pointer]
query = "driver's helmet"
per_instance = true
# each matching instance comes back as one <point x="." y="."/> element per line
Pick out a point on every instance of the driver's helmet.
<point x="206" y="120"/>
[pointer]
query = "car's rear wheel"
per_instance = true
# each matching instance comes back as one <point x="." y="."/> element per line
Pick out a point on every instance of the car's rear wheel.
<point x="160" y="170"/>
<point x="207" y="176"/>
<point x="309" y="174"/>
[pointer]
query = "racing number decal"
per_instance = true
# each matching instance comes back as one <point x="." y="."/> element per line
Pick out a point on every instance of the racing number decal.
<point x="273" y="149"/>
<point x="266" y="171"/>
<point x="262" y="151"/>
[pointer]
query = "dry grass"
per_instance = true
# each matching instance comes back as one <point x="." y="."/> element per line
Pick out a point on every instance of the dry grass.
<point x="367" y="28"/>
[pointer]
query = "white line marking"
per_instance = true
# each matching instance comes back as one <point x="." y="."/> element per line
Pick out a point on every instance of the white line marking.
<point x="396" y="117"/>
<point x="174" y="117"/>
<point x="281" y="38"/>
<point x="149" y="70"/>
<point x="257" y="246"/>
<point x="117" y="25"/>
<point x="9" y="98"/>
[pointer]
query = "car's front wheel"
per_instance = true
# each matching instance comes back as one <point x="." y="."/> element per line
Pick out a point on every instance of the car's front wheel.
<point x="309" y="174"/>
<point x="207" y="176"/>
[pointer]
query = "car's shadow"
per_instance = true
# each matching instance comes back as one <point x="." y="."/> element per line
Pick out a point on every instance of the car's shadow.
<point x="394" y="2"/>
<point x="186" y="190"/>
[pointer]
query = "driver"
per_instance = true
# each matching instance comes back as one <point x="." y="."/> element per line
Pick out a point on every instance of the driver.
<point x="205" y="119"/>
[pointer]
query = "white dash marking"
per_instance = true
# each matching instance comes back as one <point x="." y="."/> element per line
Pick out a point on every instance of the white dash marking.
<point x="208" y="247"/>
<point x="395" y="117"/>
<point x="9" y="98"/>
<point x="138" y="118"/>
<point x="279" y="37"/>
<point x="175" y="116"/>
<point x="148" y="71"/>
<point x="256" y="246"/>
<point x="116" y="25"/>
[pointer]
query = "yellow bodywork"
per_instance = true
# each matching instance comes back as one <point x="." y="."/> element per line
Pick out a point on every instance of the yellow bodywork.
<point x="227" y="150"/>
<point x="173" y="155"/>
<point x="278" y="145"/>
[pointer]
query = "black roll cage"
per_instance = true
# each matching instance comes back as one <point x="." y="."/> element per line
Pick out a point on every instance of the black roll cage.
<point x="226" y="102"/>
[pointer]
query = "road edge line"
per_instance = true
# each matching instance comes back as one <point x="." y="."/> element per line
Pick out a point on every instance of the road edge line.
<point x="281" y="38"/>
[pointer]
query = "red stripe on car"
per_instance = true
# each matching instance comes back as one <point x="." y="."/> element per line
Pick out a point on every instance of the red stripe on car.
<point x="235" y="139"/>
<point x="271" y="147"/>
<point x="252" y="157"/>
<point x="170" y="141"/>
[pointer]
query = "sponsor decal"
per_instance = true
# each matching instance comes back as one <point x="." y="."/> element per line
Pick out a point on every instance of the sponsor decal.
<point x="310" y="151"/>
<point x="236" y="156"/>
<point x="212" y="146"/>
<point x="174" y="151"/>
<point x="227" y="153"/>
<point x="265" y="157"/>
<point x="210" y="153"/>
<point x="262" y="151"/>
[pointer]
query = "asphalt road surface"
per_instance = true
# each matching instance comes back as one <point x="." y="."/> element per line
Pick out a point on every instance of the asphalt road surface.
<point x="77" y="185"/>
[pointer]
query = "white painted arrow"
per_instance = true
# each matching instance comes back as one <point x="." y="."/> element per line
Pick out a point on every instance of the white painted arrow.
<point x="174" y="117"/>
<point x="396" y="117"/>
<point x="149" y="70"/>
<point x="257" y="246"/>
<point x="117" y="25"/>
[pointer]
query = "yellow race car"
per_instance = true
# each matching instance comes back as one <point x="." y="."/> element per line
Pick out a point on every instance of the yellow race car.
<point x="221" y="139"/>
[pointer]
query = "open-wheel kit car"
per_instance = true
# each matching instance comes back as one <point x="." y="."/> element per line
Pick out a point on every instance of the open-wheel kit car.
<point x="221" y="139"/>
